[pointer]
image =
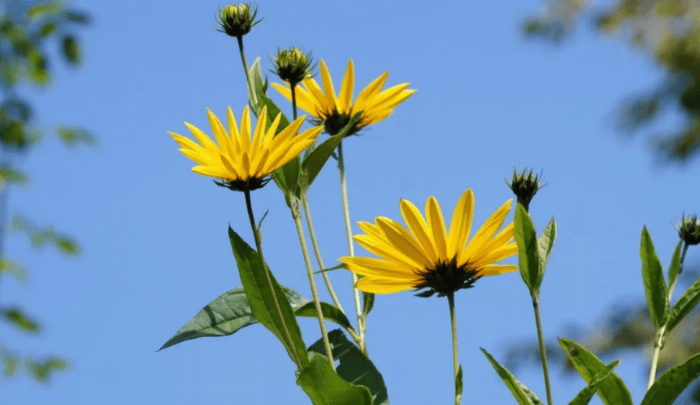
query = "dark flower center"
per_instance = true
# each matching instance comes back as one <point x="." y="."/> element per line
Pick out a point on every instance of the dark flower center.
<point x="446" y="278"/>
<point x="253" y="183"/>
<point x="335" y="122"/>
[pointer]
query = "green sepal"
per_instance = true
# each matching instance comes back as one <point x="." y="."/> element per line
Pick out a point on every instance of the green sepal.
<point x="325" y="387"/>
<point x="671" y="384"/>
<point x="683" y="306"/>
<point x="585" y="395"/>
<point x="528" y="250"/>
<point x="675" y="266"/>
<point x="654" y="283"/>
<point x="262" y="299"/>
<point x="354" y="366"/>
<point x="521" y="393"/>
<point x="611" y="389"/>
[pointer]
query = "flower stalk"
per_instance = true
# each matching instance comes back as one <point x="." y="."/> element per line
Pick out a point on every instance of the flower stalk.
<point x="251" y="90"/>
<point x="455" y="349"/>
<point x="543" y="351"/>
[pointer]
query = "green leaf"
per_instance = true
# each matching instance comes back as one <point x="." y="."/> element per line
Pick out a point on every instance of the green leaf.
<point x="8" y="266"/>
<point x="669" y="386"/>
<point x="521" y="393"/>
<point x="367" y="303"/>
<point x="315" y="160"/>
<point x="683" y="306"/>
<point x="654" y="283"/>
<point x="11" y="176"/>
<point x="71" y="49"/>
<point x="19" y="319"/>
<point x="45" y="9"/>
<point x="265" y="302"/>
<point x="354" y="367"/>
<point x="330" y="313"/>
<point x="72" y="136"/>
<point x="675" y="264"/>
<point x="546" y="244"/>
<point x="47" y="29"/>
<point x="338" y="267"/>
<point x="42" y="369"/>
<point x="611" y="389"/>
<point x="528" y="249"/>
<point x="259" y="86"/>
<point x="227" y="314"/>
<point x="459" y="384"/>
<point x="585" y="395"/>
<point x="287" y="179"/>
<point x="77" y="17"/>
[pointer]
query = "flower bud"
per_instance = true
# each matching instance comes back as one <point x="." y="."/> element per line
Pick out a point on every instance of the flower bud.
<point x="525" y="185"/>
<point x="292" y="66"/>
<point x="237" y="20"/>
<point x="689" y="230"/>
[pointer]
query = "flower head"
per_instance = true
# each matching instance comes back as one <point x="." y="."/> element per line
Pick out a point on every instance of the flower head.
<point x="237" y="20"/>
<point x="525" y="185"/>
<point x="241" y="162"/>
<point x="689" y="230"/>
<point x="292" y="65"/>
<point x="426" y="256"/>
<point x="336" y="111"/>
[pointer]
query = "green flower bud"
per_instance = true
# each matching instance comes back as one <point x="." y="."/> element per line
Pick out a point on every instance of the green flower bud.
<point x="292" y="66"/>
<point x="525" y="185"/>
<point x="237" y="20"/>
<point x="689" y="230"/>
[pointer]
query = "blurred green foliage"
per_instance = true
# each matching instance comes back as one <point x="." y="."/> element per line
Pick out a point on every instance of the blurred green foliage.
<point x="668" y="31"/>
<point x="29" y="30"/>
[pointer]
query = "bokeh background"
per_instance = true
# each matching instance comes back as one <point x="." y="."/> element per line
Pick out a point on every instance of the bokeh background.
<point x="554" y="86"/>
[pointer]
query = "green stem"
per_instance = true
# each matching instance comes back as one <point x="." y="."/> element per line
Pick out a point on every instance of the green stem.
<point x="351" y="247"/>
<point x="294" y="100"/>
<point x="253" y="96"/>
<point x="660" y="337"/>
<point x="314" y="291"/>
<point x="258" y="244"/>
<point x="543" y="352"/>
<point x="455" y="349"/>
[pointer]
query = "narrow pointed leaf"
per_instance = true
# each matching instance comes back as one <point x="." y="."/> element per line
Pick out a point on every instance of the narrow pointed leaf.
<point x="354" y="366"/>
<point x="521" y="393"/>
<point x="654" y="283"/>
<point x="611" y="390"/>
<point x="459" y="384"/>
<point x="338" y="267"/>
<point x="684" y="305"/>
<point x="528" y="249"/>
<point x="546" y="244"/>
<point x="262" y="299"/>
<point x="325" y="387"/>
<point x="671" y="384"/>
<point x="367" y="303"/>
<point x="675" y="264"/>
<point x="315" y="160"/>
<point x="585" y="395"/>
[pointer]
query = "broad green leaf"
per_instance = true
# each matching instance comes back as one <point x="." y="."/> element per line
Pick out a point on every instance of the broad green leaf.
<point x="270" y="306"/>
<point x="671" y="384"/>
<point x="546" y="244"/>
<point x="272" y="112"/>
<point x="675" y="264"/>
<point x="19" y="319"/>
<point x="315" y="160"/>
<point x="226" y="315"/>
<point x="325" y="387"/>
<point x="521" y="393"/>
<point x="654" y="283"/>
<point x="354" y="367"/>
<point x="684" y="305"/>
<point x="330" y="313"/>
<point x="528" y="249"/>
<point x="585" y="395"/>
<point x="611" y="390"/>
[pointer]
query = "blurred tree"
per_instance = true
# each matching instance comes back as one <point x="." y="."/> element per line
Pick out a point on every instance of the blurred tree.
<point x="28" y="31"/>
<point x="669" y="32"/>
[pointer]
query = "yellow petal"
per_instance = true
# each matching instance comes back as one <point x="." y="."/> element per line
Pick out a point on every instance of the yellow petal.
<point x="370" y="91"/>
<point x="345" y="97"/>
<point x="487" y="230"/>
<point x="369" y="266"/>
<point x="328" y="87"/>
<point x="461" y="224"/>
<point x="496" y="269"/>
<point x="401" y="240"/>
<point x="437" y="226"/>
<point x="202" y="138"/>
<point x="497" y="255"/>
<point x="386" y="251"/>
<point x="419" y="228"/>
<point x="377" y="285"/>
<point x="234" y="135"/>
<point x="245" y="128"/>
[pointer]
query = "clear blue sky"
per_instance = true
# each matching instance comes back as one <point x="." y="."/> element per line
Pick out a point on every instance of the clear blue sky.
<point x="153" y="234"/>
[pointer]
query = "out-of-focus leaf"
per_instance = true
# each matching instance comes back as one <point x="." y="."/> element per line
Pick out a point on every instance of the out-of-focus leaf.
<point x="71" y="49"/>
<point x="10" y="362"/>
<point x="48" y="29"/>
<point x="8" y="266"/>
<point x="41" y="237"/>
<point x="19" y="319"/>
<point x="44" y="9"/>
<point x="77" y="17"/>
<point x="43" y="369"/>
<point x="9" y="175"/>
<point x="72" y="136"/>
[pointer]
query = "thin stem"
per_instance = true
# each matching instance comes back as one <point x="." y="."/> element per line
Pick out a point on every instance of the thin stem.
<point x="314" y="291"/>
<point x="543" y="352"/>
<point x="351" y="247"/>
<point x="258" y="244"/>
<point x="317" y="252"/>
<point x="455" y="349"/>
<point x="4" y="196"/>
<point x="245" y="70"/>
<point x="294" y="100"/>
<point x="660" y="337"/>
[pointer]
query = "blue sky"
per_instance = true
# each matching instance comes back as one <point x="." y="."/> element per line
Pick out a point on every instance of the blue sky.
<point x="153" y="234"/>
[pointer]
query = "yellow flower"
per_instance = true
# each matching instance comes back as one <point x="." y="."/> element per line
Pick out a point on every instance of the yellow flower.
<point x="240" y="161"/>
<point x="336" y="112"/>
<point x="426" y="256"/>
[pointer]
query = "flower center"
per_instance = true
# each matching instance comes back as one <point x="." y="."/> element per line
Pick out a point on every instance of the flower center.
<point x="335" y="122"/>
<point x="446" y="278"/>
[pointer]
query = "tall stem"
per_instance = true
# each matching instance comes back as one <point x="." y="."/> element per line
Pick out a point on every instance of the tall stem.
<point x="543" y="352"/>
<point x="253" y="96"/>
<point x="258" y="244"/>
<point x="4" y="195"/>
<point x="314" y="291"/>
<point x="351" y="247"/>
<point x="455" y="349"/>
